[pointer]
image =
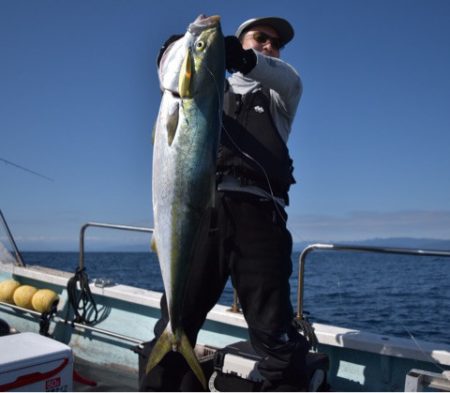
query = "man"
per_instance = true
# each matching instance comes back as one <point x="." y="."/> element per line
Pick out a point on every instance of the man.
<point x="248" y="238"/>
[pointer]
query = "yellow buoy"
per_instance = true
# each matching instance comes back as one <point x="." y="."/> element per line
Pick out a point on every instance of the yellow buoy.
<point x="23" y="295"/>
<point x="43" y="300"/>
<point x="7" y="289"/>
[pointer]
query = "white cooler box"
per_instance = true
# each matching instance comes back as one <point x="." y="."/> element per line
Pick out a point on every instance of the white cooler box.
<point x="31" y="362"/>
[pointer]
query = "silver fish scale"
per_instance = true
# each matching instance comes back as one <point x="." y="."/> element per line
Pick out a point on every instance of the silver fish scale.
<point x="184" y="171"/>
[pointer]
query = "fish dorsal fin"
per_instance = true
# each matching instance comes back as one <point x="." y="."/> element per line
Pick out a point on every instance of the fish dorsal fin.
<point x="184" y="83"/>
<point x="153" y="244"/>
<point x="153" y="133"/>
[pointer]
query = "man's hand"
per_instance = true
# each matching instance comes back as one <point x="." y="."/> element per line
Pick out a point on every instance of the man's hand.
<point x="236" y="57"/>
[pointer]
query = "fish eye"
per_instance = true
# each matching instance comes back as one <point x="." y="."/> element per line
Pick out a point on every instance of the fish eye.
<point x="200" y="45"/>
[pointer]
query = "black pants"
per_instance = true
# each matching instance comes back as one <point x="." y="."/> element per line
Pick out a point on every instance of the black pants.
<point x="248" y="240"/>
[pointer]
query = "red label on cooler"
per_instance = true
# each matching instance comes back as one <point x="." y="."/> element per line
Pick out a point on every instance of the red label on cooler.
<point x="52" y="384"/>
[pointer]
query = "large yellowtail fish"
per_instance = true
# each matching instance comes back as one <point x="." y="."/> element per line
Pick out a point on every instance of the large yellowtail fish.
<point x="192" y="74"/>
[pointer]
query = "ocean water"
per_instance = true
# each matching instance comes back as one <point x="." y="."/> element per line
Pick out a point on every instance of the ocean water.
<point x="406" y="296"/>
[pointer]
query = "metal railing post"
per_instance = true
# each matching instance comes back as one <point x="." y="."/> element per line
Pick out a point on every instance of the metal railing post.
<point x="110" y="226"/>
<point x="344" y="247"/>
<point x="301" y="273"/>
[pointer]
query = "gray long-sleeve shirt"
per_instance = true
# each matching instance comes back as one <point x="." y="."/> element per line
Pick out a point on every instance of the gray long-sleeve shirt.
<point x="285" y="89"/>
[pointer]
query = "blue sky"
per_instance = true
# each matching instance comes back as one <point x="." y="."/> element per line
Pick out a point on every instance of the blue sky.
<point x="79" y="95"/>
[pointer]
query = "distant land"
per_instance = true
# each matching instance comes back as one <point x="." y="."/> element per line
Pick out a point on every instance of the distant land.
<point x="402" y="242"/>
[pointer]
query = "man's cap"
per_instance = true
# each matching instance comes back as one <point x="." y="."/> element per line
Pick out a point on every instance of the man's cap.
<point x="281" y="26"/>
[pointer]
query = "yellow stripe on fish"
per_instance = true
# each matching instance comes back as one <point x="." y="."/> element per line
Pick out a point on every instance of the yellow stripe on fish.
<point x="184" y="83"/>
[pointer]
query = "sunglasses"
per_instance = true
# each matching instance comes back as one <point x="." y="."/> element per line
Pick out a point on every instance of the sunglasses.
<point x="263" y="38"/>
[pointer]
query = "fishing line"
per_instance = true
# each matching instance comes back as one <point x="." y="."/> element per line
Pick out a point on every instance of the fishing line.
<point x="429" y="357"/>
<point x="340" y="293"/>
<point x="426" y="355"/>
<point x="220" y="96"/>
<point x="245" y="154"/>
<point x="409" y="333"/>
<point x="248" y="156"/>
<point x="7" y="162"/>
<point x="266" y="176"/>
<point x="259" y="165"/>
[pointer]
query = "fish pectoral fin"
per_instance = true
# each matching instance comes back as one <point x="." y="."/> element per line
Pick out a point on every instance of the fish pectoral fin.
<point x="188" y="353"/>
<point x="162" y="346"/>
<point x="172" y="123"/>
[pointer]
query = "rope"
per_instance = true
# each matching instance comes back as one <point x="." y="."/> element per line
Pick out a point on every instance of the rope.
<point x="81" y="299"/>
<point x="46" y="316"/>
<point x="305" y="328"/>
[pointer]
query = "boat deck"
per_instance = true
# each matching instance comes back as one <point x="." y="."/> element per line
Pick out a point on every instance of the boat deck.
<point x="107" y="379"/>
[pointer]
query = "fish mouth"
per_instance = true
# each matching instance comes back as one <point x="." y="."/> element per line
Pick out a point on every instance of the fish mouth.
<point x="204" y="22"/>
<point x="207" y="20"/>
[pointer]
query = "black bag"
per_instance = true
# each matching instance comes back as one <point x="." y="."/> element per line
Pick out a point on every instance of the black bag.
<point x="230" y="369"/>
<point x="235" y="369"/>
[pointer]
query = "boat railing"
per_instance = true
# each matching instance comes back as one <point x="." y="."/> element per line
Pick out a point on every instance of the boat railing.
<point x="81" y="326"/>
<point x="18" y="257"/>
<point x="108" y="226"/>
<point x="352" y="248"/>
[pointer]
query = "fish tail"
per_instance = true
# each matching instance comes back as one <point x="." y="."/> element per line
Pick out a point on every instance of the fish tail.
<point x="166" y="342"/>
<point x="188" y="353"/>
<point x="162" y="346"/>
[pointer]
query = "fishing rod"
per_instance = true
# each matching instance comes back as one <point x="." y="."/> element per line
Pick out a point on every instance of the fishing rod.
<point x="7" y="162"/>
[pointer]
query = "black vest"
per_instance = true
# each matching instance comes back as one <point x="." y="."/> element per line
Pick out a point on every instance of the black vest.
<point x="251" y="148"/>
